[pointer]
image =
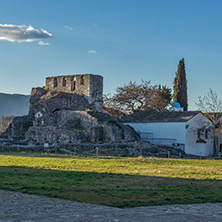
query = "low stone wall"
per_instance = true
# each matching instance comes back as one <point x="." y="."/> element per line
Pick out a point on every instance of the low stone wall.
<point x="131" y="149"/>
<point x="22" y="149"/>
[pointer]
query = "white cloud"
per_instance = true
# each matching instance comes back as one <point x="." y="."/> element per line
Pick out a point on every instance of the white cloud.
<point x="68" y="27"/>
<point x="92" y="51"/>
<point x="22" y="33"/>
<point x="43" y="43"/>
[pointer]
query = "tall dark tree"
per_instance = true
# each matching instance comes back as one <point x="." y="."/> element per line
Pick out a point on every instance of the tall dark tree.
<point x="180" y="86"/>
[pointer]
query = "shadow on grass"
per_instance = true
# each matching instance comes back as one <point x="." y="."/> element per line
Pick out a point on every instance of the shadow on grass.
<point x="116" y="190"/>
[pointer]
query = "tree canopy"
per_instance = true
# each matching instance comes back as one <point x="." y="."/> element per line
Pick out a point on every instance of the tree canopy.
<point x="135" y="96"/>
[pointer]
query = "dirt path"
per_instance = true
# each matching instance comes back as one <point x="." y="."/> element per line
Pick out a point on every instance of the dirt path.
<point x="17" y="207"/>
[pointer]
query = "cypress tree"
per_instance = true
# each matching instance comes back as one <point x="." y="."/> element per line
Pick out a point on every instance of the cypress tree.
<point x="180" y="86"/>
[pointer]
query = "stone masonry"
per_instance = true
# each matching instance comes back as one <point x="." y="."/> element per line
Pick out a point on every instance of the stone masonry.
<point x="89" y="85"/>
<point x="67" y="110"/>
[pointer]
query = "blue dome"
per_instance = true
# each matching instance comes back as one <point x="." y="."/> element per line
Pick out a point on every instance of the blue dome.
<point x="176" y="105"/>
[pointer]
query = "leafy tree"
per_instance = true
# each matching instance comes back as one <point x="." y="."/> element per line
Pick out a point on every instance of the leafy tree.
<point x="180" y="86"/>
<point x="133" y="97"/>
<point x="163" y="97"/>
<point x="211" y="106"/>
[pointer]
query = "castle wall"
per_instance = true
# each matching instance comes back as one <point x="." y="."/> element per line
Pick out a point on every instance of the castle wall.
<point x="96" y="92"/>
<point x="79" y="84"/>
<point x="96" y="88"/>
<point x="43" y="103"/>
<point x="89" y="85"/>
<point x="70" y="84"/>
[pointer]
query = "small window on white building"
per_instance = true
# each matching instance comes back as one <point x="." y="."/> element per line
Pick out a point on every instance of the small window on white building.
<point x="200" y="132"/>
<point x="206" y="134"/>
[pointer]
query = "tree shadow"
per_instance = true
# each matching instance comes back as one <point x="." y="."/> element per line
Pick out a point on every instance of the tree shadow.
<point x="116" y="190"/>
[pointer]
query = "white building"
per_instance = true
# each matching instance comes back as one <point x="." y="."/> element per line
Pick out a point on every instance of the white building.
<point x="189" y="131"/>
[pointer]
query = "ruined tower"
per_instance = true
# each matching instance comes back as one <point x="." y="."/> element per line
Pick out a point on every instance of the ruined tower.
<point x="89" y="85"/>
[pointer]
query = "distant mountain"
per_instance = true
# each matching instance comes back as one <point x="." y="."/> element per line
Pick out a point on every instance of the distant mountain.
<point x="13" y="104"/>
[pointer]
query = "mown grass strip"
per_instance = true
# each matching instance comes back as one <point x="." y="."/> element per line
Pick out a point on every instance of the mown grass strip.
<point x="119" y="182"/>
<point x="182" y="168"/>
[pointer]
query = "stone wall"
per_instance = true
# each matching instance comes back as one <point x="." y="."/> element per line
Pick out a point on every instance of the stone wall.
<point x="89" y="85"/>
<point x="44" y="102"/>
<point x="19" y="126"/>
<point x="67" y="127"/>
<point x="59" y="115"/>
<point x="96" y="91"/>
<point x="56" y="136"/>
<point x="124" y="149"/>
<point x="79" y="84"/>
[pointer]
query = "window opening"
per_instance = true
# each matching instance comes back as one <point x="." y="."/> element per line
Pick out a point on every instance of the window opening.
<point x="74" y="84"/>
<point x="206" y="134"/>
<point x="198" y="134"/>
<point x="64" y="81"/>
<point x="55" y="82"/>
<point x="82" y="80"/>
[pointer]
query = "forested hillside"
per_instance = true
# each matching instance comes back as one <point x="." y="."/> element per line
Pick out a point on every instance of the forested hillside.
<point x="13" y="104"/>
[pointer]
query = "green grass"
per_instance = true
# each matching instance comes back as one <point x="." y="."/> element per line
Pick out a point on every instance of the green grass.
<point x="118" y="182"/>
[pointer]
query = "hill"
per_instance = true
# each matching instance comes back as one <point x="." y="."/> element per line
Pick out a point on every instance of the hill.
<point x="13" y="104"/>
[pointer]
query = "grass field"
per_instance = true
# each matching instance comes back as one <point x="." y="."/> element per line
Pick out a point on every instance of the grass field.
<point x="118" y="182"/>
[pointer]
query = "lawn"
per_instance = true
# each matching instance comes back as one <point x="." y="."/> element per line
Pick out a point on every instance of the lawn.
<point x="117" y="182"/>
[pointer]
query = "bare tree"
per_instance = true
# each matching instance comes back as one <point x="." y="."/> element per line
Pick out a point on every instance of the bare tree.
<point x="133" y="97"/>
<point x="4" y="122"/>
<point x="211" y="106"/>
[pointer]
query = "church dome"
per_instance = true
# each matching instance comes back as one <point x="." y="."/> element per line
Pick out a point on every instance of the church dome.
<point x="176" y="105"/>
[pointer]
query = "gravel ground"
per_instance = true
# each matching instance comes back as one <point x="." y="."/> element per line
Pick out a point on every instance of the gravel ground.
<point x="18" y="207"/>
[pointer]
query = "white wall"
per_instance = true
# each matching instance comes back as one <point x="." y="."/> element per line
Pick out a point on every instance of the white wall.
<point x="178" y="131"/>
<point x="172" y="130"/>
<point x="200" y="149"/>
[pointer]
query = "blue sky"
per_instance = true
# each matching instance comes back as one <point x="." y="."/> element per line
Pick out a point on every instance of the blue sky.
<point x="121" y="40"/>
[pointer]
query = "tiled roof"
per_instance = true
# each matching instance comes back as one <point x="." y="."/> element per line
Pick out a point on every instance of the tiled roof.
<point x="146" y="116"/>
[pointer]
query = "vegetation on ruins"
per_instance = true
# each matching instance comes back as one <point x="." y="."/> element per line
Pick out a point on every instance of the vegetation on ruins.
<point x="133" y="97"/>
<point x="180" y="86"/>
<point x="117" y="182"/>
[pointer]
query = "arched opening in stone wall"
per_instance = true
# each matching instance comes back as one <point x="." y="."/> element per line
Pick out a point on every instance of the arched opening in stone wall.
<point x="64" y="81"/>
<point x="55" y="110"/>
<point x="73" y="84"/>
<point x="82" y="80"/>
<point x="55" y="82"/>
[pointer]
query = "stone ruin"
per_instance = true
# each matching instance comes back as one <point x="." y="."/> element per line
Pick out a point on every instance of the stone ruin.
<point x="66" y="115"/>
<point x="66" y="111"/>
<point x="89" y="86"/>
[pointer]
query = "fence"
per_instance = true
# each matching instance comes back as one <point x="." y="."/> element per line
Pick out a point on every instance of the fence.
<point x="161" y="141"/>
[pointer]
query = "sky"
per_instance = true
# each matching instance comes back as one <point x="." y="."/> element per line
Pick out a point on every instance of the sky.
<point x="121" y="40"/>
